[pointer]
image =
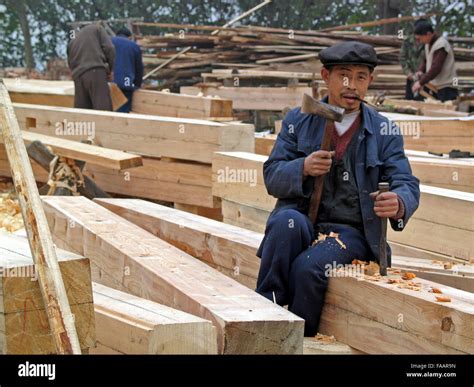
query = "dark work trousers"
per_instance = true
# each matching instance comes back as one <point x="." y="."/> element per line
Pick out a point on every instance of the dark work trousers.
<point x="92" y="90"/>
<point x="447" y="94"/>
<point x="127" y="107"/>
<point x="293" y="272"/>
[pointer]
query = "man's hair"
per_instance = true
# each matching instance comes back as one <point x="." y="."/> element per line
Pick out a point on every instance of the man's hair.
<point x="422" y="27"/>
<point x="124" y="31"/>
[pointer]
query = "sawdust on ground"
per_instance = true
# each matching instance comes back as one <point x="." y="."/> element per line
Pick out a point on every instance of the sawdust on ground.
<point x="10" y="212"/>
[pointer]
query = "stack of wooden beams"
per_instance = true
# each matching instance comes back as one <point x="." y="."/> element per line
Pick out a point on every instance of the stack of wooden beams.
<point x="439" y="227"/>
<point x="446" y="328"/>
<point x="177" y="152"/>
<point x="128" y="258"/>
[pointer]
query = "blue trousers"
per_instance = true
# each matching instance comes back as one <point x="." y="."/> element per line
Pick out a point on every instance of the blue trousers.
<point x="295" y="273"/>
<point x="127" y="107"/>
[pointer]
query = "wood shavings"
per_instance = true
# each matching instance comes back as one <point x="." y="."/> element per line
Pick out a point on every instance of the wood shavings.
<point x="394" y="280"/>
<point x="436" y="290"/>
<point x="357" y="262"/>
<point x="443" y="299"/>
<point x="10" y="211"/>
<point x="372" y="269"/>
<point x="324" y="339"/>
<point x="376" y="277"/>
<point x="408" y="276"/>
<point x="322" y="237"/>
<point x="410" y="286"/>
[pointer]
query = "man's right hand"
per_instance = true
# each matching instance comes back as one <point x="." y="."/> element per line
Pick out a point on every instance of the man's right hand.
<point x="318" y="163"/>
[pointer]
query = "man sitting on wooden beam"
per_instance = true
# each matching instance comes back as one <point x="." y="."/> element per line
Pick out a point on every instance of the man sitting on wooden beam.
<point x="295" y="265"/>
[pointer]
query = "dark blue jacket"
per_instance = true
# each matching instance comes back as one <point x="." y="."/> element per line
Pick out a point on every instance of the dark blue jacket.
<point x="379" y="157"/>
<point x="128" y="69"/>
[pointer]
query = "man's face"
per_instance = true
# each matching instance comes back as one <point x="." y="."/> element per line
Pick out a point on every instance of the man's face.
<point x="423" y="39"/>
<point x="345" y="82"/>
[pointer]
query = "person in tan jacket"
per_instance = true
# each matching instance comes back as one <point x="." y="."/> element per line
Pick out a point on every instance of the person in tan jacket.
<point x="91" y="57"/>
<point x="438" y="67"/>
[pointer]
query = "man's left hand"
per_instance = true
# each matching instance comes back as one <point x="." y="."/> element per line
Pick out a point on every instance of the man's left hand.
<point x="386" y="204"/>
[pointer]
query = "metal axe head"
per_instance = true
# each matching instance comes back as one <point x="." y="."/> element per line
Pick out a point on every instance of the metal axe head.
<point x="311" y="105"/>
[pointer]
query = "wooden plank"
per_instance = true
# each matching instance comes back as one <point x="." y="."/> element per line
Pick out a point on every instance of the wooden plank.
<point x="440" y="224"/>
<point x="240" y="215"/>
<point x="264" y="144"/>
<point x="180" y="105"/>
<point x="133" y="325"/>
<point x="108" y="158"/>
<point x="24" y="325"/>
<point x="131" y="259"/>
<point x="179" y="138"/>
<point x="60" y="318"/>
<point x="211" y="213"/>
<point x="254" y="98"/>
<point x="165" y="180"/>
<point x="221" y="245"/>
<point x="238" y="177"/>
<point x="444" y="173"/>
<point x="446" y="326"/>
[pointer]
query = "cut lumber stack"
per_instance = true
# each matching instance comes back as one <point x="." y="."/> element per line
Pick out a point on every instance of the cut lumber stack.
<point x="180" y="105"/>
<point x="176" y="152"/>
<point x="24" y="327"/>
<point x="447" y="328"/>
<point x="128" y="258"/>
<point x="258" y="54"/>
<point x="126" y="324"/>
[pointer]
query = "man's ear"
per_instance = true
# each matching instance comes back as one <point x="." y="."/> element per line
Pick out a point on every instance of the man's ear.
<point x="325" y="74"/>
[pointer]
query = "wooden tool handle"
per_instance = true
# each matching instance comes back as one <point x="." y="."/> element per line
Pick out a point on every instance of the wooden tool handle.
<point x="319" y="180"/>
<point x="383" y="187"/>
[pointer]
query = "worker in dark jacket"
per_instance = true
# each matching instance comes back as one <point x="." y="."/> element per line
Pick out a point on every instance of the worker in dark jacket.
<point x="438" y="67"/>
<point x="366" y="149"/>
<point x="91" y="57"/>
<point x="128" y="70"/>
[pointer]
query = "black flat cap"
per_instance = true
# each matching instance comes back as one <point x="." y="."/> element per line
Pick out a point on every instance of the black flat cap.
<point x="352" y="53"/>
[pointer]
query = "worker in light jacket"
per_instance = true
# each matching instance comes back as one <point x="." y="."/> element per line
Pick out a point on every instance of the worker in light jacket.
<point x="366" y="149"/>
<point x="438" y="66"/>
